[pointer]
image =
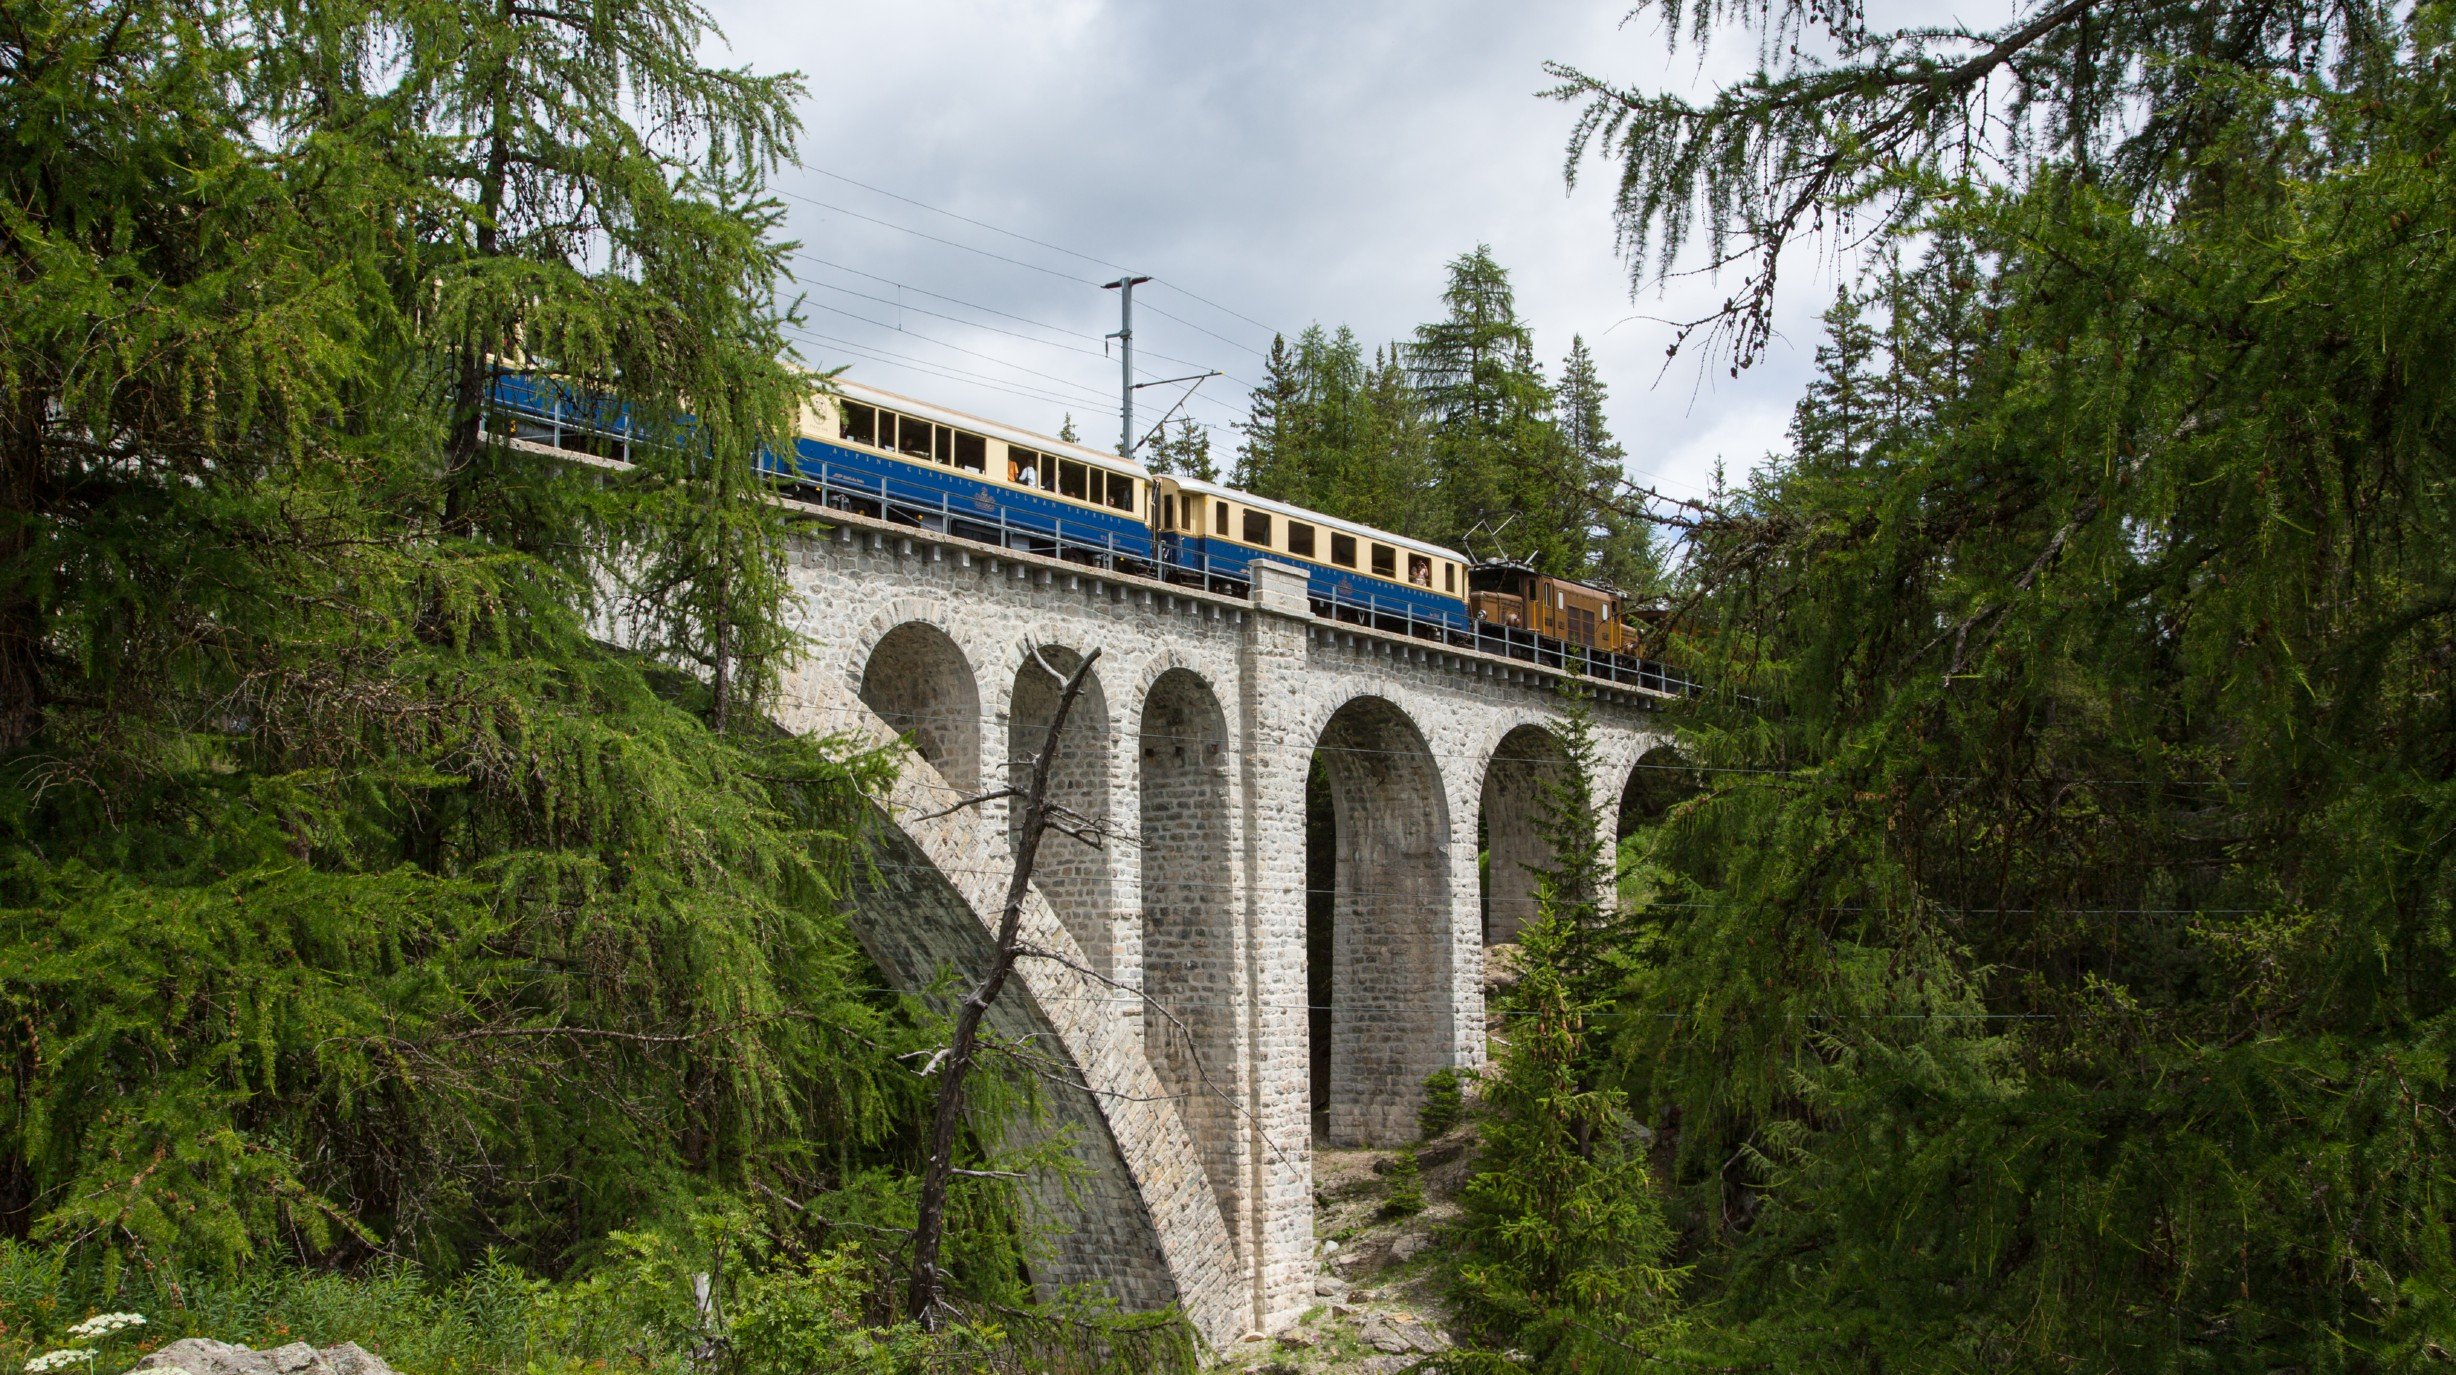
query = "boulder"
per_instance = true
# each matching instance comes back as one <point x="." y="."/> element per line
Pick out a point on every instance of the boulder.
<point x="205" y="1356"/>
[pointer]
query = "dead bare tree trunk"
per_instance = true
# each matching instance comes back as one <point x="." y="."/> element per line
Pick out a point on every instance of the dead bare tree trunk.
<point x="930" y="1221"/>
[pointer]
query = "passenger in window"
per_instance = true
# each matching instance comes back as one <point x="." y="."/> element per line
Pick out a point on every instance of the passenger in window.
<point x="1419" y="570"/>
<point x="1023" y="472"/>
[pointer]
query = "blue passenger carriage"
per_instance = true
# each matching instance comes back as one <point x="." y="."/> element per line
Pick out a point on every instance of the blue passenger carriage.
<point x="1210" y="534"/>
<point x="910" y="461"/>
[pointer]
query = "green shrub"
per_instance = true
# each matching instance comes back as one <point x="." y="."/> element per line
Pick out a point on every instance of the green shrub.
<point x="494" y="1318"/>
<point x="1445" y="1102"/>
<point x="1406" y="1196"/>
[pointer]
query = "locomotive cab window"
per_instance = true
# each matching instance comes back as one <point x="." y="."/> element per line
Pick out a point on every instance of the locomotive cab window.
<point x="1343" y="549"/>
<point x="1258" y="527"/>
<point x="1121" y="492"/>
<point x="1385" y="561"/>
<point x="859" y="423"/>
<point x="1300" y="539"/>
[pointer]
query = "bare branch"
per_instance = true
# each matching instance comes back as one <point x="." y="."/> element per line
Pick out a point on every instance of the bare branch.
<point x="926" y="1301"/>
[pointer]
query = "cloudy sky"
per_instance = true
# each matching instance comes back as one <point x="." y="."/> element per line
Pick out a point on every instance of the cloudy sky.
<point x="1271" y="164"/>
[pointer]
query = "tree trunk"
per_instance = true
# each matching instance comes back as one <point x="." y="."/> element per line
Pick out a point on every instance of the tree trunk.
<point x="24" y="506"/>
<point x="929" y="1225"/>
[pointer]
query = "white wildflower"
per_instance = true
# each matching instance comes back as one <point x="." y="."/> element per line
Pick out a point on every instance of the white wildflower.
<point x="105" y="1324"/>
<point x="57" y="1360"/>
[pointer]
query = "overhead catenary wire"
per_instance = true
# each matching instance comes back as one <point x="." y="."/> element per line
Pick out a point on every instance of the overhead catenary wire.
<point x="950" y="373"/>
<point x="975" y="324"/>
<point x="1043" y="243"/>
<point x="1092" y="392"/>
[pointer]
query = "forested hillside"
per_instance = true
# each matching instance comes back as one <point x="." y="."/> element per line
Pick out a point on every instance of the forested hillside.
<point x="2054" y="971"/>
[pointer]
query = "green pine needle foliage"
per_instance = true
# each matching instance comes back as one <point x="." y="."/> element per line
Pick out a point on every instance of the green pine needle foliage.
<point x="1564" y="1245"/>
<point x="1404" y="1194"/>
<point x="2057" y="971"/>
<point x="358" y="903"/>
<point x="1445" y="1102"/>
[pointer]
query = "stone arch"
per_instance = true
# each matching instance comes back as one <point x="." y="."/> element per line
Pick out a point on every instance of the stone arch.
<point x="1098" y="1220"/>
<point x="918" y="680"/>
<point x="1071" y="872"/>
<point x="1389" y="946"/>
<point x="1190" y="963"/>
<point x="1528" y="762"/>
<point x="1659" y="780"/>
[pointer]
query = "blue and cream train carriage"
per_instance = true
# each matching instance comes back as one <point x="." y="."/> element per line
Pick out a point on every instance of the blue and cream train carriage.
<point x="905" y="460"/>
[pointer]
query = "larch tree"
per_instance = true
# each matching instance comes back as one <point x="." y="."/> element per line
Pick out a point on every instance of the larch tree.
<point x="347" y="880"/>
<point x="2055" y="973"/>
<point x="1623" y="553"/>
<point x="1564" y="1248"/>
<point x="1185" y="452"/>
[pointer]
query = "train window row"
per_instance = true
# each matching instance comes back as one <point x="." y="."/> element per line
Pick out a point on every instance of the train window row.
<point x="927" y="441"/>
<point x="1265" y="530"/>
<point x="924" y="441"/>
<point x="1069" y="478"/>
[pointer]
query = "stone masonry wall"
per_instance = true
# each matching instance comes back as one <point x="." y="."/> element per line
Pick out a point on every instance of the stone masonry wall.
<point x="1211" y="712"/>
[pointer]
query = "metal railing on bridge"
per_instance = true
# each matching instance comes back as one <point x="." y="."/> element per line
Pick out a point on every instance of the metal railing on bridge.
<point x="574" y="424"/>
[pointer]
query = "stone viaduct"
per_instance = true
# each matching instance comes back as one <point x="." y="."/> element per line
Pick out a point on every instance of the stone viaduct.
<point x="1171" y="1000"/>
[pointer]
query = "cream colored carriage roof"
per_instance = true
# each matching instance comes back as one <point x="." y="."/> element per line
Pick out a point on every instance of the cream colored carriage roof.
<point x="997" y="429"/>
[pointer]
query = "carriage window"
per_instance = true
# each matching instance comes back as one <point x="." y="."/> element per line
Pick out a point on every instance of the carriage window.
<point x="1420" y="570"/>
<point x="1449" y="577"/>
<point x="1168" y="513"/>
<point x="971" y="452"/>
<point x="1022" y="466"/>
<point x="1385" y="561"/>
<point x="1071" y="479"/>
<point x="1300" y="538"/>
<point x="860" y="423"/>
<point x="1219" y="523"/>
<point x="913" y="437"/>
<point x="1343" y="549"/>
<point x="1258" y="527"/>
<point x="946" y="445"/>
<point x="1121" y="491"/>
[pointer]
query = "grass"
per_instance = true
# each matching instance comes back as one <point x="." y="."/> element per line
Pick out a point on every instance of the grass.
<point x="494" y="1318"/>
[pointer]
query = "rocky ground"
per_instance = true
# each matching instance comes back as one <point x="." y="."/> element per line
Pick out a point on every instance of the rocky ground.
<point x="1380" y="1307"/>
